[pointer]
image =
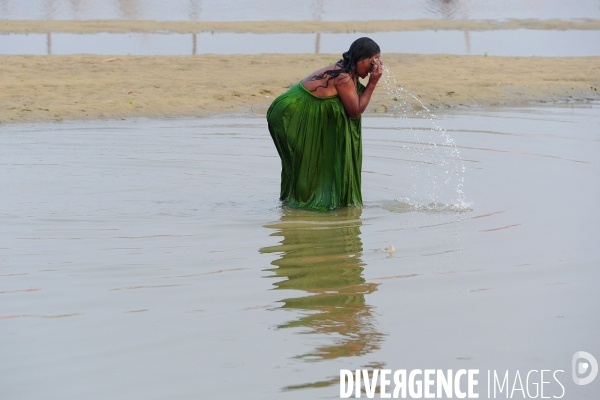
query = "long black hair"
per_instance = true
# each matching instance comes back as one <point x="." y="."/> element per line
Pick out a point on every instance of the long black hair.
<point x="360" y="49"/>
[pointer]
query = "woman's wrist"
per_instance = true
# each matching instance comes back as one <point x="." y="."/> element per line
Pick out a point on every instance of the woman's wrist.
<point x="371" y="85"/>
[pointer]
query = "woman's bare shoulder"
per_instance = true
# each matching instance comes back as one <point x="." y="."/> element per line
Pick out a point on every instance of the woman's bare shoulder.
<point x="320" y="82"/>
<point x="345" y="78"/>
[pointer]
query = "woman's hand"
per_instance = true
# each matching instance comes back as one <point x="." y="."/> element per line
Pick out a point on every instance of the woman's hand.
<point x="345" y="84"/>
<point x="376" y="70"/>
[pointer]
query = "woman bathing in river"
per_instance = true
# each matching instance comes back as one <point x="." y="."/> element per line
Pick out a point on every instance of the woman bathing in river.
<point x="316" y="127"/>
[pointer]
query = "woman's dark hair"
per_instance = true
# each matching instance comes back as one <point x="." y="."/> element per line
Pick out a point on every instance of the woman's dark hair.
<point x="360" y="49"/>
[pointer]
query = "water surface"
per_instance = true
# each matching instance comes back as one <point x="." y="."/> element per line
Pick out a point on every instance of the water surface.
<point x="292" y="10"/>
<point x="518" y="42"/>
<point x="151" y="258"/>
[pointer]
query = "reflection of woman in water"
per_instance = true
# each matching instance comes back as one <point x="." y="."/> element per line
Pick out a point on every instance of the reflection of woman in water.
<point x="316" y="128"/>
<point x="321" y="257"/>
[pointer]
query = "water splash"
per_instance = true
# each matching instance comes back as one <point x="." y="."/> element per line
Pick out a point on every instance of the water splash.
<point x="401" y="207"/>
<point x="437" y="170"/>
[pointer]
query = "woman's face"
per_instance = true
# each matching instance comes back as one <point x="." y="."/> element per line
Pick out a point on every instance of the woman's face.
<point x="365" y="66"/>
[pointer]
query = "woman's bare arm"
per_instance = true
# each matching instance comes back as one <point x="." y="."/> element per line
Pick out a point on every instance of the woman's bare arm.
<point x="354" y="104"/>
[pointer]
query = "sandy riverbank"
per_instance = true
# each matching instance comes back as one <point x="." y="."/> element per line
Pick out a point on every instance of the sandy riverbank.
<point x="120" y="26"/>
<point x="42" y="88"/>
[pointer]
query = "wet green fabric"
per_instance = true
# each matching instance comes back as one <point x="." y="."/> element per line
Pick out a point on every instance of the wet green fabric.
<point x="320" y="148"/>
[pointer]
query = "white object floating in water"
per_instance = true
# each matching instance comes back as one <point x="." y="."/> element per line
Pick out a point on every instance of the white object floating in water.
<point x="389" y="249"/>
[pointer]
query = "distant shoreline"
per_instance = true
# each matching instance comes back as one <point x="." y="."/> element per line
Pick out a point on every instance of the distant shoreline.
<point x="120" y="26"/>
<point x="80" y="87"/>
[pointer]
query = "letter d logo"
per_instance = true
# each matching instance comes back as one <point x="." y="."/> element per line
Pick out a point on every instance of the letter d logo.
<point x="582" y="367"/>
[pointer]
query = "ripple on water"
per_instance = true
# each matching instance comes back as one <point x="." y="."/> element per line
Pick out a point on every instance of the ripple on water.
<point x="182" y="259"/>
<point x="402" y="207"/>
<point x="291" y="10"/>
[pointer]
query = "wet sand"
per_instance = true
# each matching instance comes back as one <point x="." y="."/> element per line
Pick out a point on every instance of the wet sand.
<point x="45" y="88"/>
<point x="11" y="26"/>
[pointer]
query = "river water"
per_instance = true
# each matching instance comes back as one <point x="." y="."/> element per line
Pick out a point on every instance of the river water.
<point x="293" y="10"/>
<point x="151" y="258"/>
<point x="511" y="43"/>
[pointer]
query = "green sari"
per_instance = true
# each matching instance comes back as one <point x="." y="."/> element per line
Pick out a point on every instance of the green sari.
<point x="320" y="148"/>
